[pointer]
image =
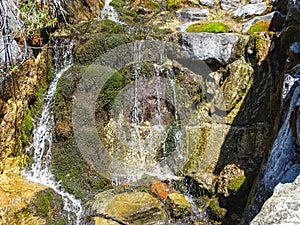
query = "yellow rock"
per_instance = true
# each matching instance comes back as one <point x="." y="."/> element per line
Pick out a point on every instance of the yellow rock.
<point x="102" y="221"/>
<point x="16" y="194"/>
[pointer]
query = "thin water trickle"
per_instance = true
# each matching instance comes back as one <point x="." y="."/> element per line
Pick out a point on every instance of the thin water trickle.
<point x="40" y="171"/>
<point x="108" y="12"/>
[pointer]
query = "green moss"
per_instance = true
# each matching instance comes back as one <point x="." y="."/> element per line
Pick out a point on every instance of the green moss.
<point x="261" y="26"/>
<point x="112" y="87"/>
<point x="215" y="211"/>
<point x="173" y="5"/>
<point x="27" y="126"/>
<point x="68" y="164"/>
<point x="117" y="3"/>
<point x="236" y="183"/>
<point x="93" y="46"/>
<point x="213" y="27"/>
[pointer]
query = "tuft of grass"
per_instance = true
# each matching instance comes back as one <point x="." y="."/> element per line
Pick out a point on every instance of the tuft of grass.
<point x="213" y="27"/>
<point x="261" y="26"/>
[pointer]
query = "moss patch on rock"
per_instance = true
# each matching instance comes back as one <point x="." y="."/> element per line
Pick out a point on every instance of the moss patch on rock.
<point x="215" y="211"/>
<point x="173" y="5"/>
<point x="236" y="183"/>
<point x="261" y="26"/>
<point x="211" y="27"/>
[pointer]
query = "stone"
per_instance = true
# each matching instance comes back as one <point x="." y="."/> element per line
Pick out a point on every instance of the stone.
<point x="209" y="3"/>
<point x="230" y="4"/>
<point x="268" y="18"/>
<point x="192" y="14"/>
<point x="10" y="52"/>
<point x="250" y="10"/>
<point x="282" y="207"/>
<point x="23" y="202"/>
<point x="211" y="46"/>
<point x="132" y="208"/>
<point x="231" y="180"/>
<point x="102" y="221"/>
<point x="284" y="150"/>
<point x="161" y="190"/>
<point x="178" y="206"/>
<point x="201" y="183"/>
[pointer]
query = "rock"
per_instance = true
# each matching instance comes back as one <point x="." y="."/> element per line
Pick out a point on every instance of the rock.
<point x="255" y="1"/>
<point x="231" y="180"/>
<point x="269" y="17"/>
<point x="250" y="10"/>
<point x="78" y="11"/>
<point x="102" y="221"/>
<point x="210" y="46"/>
<point x="209" y="3"/>
<point x="215" y="211"/>
<point x="201" y="183"/>
<point x="132" y="208"/>
<point x="178" y="206"/>
<point x="230" y="4"/>
<point x="192" y="14"/>
<point x="10" y="52"/>
<point x="161" y="190"/>
<point x="284" y="150"/>
<point x="282" y="207"/>
<point x="23" y="202"/>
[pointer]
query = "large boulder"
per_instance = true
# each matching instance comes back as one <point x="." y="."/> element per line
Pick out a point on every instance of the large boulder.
<point x="23" y="202"/>
<point x="192" y="14"/>
<point x="211" y="46"/>
<point x="282" y="207"/>
<point x="230" y="4"/>
<point x="250" y="10"/>
<point x="130" y="208"/>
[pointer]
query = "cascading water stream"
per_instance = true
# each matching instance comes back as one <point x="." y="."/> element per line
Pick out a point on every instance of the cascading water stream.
<point x="108" y="12"/>
<point x="40" y="171"/>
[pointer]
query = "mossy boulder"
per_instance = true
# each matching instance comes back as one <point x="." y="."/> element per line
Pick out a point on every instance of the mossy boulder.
<point x="210" y="27"/>
<point x="173" y="5"/>
<point x="88" y="48"/>
<point x="178" y="206"/>
<point x="215" y="211"/>
<point x="23" y="202"/>
<point x="130" y="208"/>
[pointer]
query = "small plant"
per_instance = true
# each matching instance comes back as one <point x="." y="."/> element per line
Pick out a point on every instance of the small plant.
<point x="261" y="26"/>
<point x="36" y="17"/>
<point x="213" y="27"/>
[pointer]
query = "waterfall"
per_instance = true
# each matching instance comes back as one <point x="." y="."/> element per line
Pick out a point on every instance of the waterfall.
<point x="40" y="171"/>
<point x="108" y="12"/>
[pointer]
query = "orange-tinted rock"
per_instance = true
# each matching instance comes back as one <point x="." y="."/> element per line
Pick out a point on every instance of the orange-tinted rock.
<point x="161" y="190"/>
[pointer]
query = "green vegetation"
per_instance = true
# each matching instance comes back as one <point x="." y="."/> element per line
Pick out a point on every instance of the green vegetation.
<point x="213" y="27"/>
<point x="117" y="3"/>
<point x="236" y="183"/>
<point x="36" y="17"/>
<point x="110" y="26"/>
<point x="47" y="205"/>
<point x="27" y="127"/>
<point x="261" y="26"/>
<point x="215" y="211"/>
<point x="173" y="5"/>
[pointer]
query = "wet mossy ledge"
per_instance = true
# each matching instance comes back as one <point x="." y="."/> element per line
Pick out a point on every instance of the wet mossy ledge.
<point x="76" y="175"/>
